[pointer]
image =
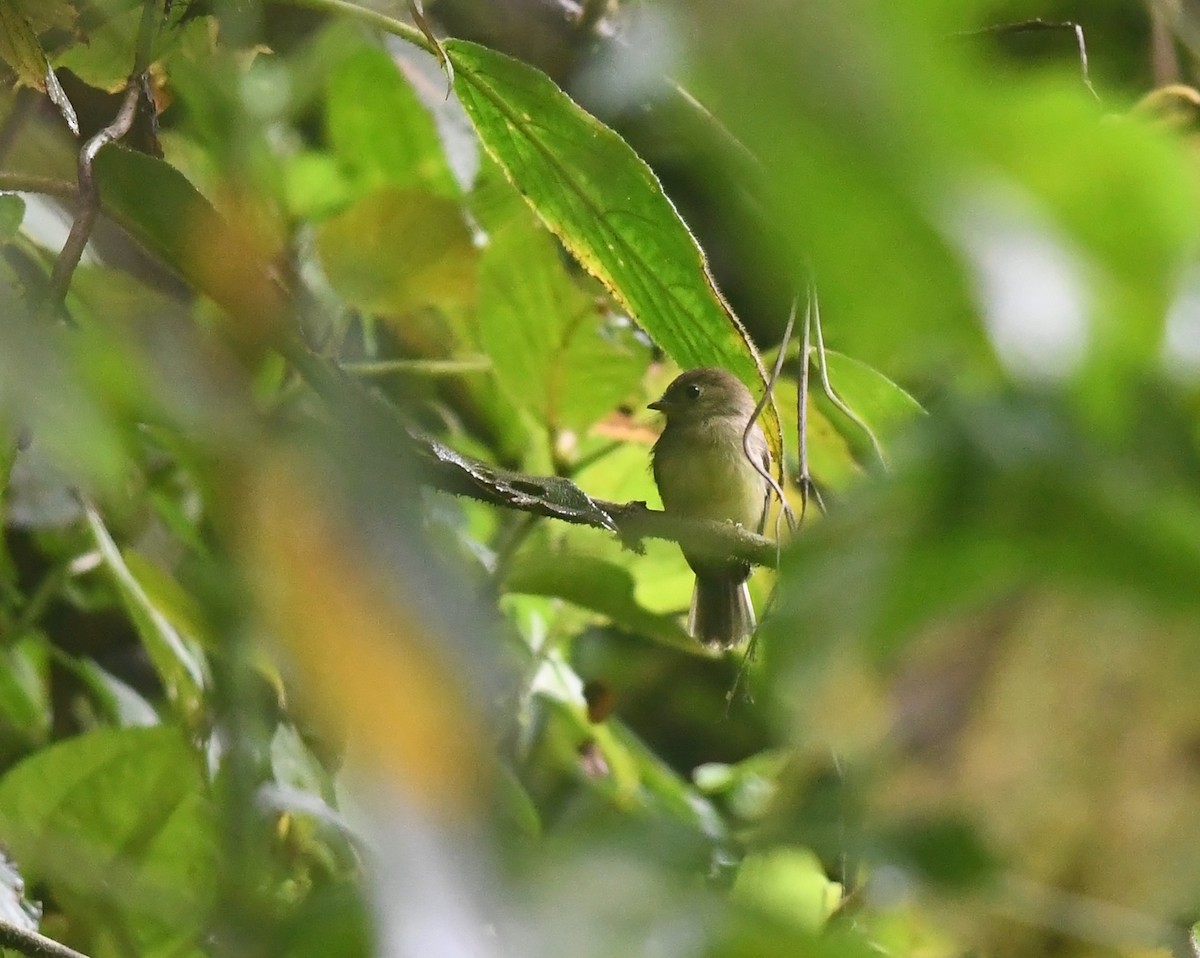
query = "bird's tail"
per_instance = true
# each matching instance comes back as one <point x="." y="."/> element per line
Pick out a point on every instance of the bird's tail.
<point x="721" y="612"/>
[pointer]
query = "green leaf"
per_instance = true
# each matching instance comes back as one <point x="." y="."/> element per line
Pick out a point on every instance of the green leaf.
<point x="20" y="49"/>
<point x="12" y="213"/>
<point x="789" y="886"/>
<point x="183" y="229"/>
<point x="398" y="249"/>
<point x="118" y="823"/>
<point x="178" y="663"/>
<point x="882" y="405"/>
<point x="117" y="702"/>
<point x="379" y="130"/>
<point x="294" y="766"/>
<point x="606" y="206"/>
<point x="554" y="348"/>
<point x="595" y="584"/>
<point x="25" y="710"/>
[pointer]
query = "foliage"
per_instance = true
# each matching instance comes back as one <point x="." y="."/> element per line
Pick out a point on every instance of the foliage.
<point x="266" y="690"/>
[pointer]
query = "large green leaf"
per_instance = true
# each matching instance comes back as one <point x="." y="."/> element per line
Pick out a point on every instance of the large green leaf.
<point x="117" y="822"/>
<point x="607" y="207"/>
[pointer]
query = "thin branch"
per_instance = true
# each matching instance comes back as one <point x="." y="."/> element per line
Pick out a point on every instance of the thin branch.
<point x="553" y="497"/>
<point x="776" y="488"/>
<point x="827" y="386"/>
<point x="557" y="498"/>
<point x="1028" y="26"/>
<point x="418" y="367"/>
<point x="417" y="12"/>
<point x="32" y="944"/>
<point x="45" y="185"/>
<point x="89" y="194"/>
<point x="805" y="479"/>
<point x="381" y="21"/>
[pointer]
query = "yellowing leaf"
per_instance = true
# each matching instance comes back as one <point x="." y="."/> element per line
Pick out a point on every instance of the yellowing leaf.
<point x="398" y="249"/>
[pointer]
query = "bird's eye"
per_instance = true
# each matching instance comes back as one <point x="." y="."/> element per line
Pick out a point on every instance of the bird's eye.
<point x="693" y="391"/>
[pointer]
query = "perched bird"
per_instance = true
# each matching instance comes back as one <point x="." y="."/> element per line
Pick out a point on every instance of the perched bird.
<point x="702" y="472"/>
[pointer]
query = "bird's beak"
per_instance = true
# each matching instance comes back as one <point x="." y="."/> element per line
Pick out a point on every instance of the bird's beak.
<point x="659" y="404"/>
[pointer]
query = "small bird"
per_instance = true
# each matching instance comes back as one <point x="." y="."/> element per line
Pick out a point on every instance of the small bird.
<point x="702" y="472"/>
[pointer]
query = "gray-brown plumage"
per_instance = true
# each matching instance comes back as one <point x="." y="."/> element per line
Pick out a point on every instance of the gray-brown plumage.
<point x="702" y="472"/>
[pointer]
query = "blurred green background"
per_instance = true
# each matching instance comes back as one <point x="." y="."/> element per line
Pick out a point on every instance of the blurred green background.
<point x="266" y="689"/>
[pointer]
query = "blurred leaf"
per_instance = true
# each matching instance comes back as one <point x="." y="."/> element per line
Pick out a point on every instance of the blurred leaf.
<point x="314" y="186"/>
<point x="12" y="212"/>
<point x="516" y="805"/>
<point x="379" y="130"/>
<point x="555" y="349"/>
<point x="396" y="250"/>
<point x="75" y="440"/>
<point x="106" y="55"/>
<point x="178" y="663"/>
<point x="118" y="823"/>
<point x="294" y="766"/>
<point x="789" y="884"/>
<point x="20" y="49"/>
<point x="945" y="851"/>
<point x="606" y="206"/>
<point x="978" y="494"/>
<point x="850" y="160"/>
<point x="595" y="584"/>
<point x="226" y="261"/>
<point x="25" y="712"/>
<point x="118" y="703"/>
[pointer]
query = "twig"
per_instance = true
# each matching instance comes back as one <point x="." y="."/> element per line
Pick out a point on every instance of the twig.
<point x="804" y="479"/>
<point x="417" y="12"/>
<point x="554" y="497"/>
<point x="32" y="944"/>
<point x="1164" y="61"/>
<point x="827" y="386"/>
<point x="419" y="367"/>
<point x="46" y="185"/>
<point x="1028" y="26"/>
<point x="754" y="417"/>
<point x="381" y="21"/>
<point x="89" y="195"/>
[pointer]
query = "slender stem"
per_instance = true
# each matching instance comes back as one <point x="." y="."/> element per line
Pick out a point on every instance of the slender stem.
<point x="807" y="486"/>
<point x="89" y="195"/>
<point x="46" y="185"/>
<point x="381" y="21"/>
<point x="758" y="410"/>
<point x="32" y="944"/>
<point x="827" y="386"/>
<point x="418" y="367"/>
